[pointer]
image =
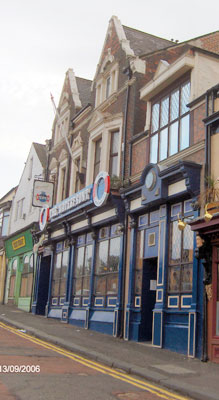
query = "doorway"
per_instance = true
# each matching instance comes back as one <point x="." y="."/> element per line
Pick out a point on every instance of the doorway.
<point x="149" y="280"/>
<point x="43" y="287"/>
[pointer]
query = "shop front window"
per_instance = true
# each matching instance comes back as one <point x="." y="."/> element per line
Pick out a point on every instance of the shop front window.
<point x="12" y="278"/>
<point x="60" y="272"/>
<point x="27" y="277"/>
<point x="82" y="268"/>
<point x="180" y="269"/>
<point x="107" y="262"/>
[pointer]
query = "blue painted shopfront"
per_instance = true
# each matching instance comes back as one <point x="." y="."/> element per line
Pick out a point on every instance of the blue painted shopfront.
<point x="84" y="256"/>
<point x="165" y="286"/>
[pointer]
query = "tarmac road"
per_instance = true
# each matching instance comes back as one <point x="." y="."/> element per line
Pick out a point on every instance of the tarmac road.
<point x="31" y="368"/>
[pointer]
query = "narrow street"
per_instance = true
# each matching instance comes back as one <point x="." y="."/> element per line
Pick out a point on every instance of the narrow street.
<point x="32" y="368"/>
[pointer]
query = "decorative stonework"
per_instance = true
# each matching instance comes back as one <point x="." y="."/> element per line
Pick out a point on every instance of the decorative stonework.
<point x="77" y="142"/>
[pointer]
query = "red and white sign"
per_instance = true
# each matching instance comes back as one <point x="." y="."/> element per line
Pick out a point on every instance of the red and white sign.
<point x="101" y="189"/>
<point x="44" y="217"/>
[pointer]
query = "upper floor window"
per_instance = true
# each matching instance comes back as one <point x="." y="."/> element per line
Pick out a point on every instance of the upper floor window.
<point x="97" y="158"/>
<point x="19" y="209"/>
<point x="4" y="220"/>
<point x="170" y="124"/>
<point x="77" y="178"/>
<point x="108" y="83"/>
<point x="62" y="182"/>
<point x="113" y="165"/>
<point x="30" y="169"/>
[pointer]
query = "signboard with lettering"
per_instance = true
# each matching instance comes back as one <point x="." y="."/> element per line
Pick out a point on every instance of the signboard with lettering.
<point x="42" y="193"/>
<point x="72" y="203"/>
<point x="19" y="244"/>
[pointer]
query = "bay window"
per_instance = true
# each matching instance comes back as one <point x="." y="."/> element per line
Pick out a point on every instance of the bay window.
<point x="170" y="123"/>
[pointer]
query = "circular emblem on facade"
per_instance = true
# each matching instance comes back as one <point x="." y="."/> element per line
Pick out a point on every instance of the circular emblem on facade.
<point x="101" y="188"/>
<point x="44" y="217"/>
<point x="150" y="180"/>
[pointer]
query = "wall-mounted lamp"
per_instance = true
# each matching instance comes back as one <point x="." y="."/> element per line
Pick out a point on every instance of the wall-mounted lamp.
<point x="207" y="215"/>
<point x="181" y="224"/>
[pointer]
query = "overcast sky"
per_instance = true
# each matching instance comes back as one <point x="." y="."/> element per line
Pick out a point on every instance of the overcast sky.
<point x="41" y="39"/>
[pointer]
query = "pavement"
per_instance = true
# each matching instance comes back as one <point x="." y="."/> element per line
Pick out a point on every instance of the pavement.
<point x="191" y="377"/>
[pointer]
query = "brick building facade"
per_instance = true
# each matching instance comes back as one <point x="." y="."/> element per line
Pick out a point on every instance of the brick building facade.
<point x="106" y="254"/>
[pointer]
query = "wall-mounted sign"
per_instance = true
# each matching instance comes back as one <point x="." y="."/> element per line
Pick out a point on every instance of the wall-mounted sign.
<point x="101" y="188"/>
<point x="73" y="202"/>
<point x="18" y="243"/>
<point x="44" y="217"/>
<point x="42" y="193"/>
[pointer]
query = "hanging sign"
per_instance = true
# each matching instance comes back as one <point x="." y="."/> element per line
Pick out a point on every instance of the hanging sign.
<point x="42" y="193"/>
<point x="101" y="189"/>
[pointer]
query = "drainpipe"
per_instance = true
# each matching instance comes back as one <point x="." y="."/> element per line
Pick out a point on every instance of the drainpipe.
<point x="127" y="71"/>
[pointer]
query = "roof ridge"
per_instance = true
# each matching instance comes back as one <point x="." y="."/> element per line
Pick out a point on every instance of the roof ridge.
<point x="146" y="33"/>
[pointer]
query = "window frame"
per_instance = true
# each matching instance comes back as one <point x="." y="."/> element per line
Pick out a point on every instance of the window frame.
<point x="155" y="134"/>
<point x="111" y="234"/>
<point x="180" y="263"/>
<point x="58" y="279"/>
<point x="112" y="154"/>
<point x="27" y="277"/>
<point x="84" y="242"/>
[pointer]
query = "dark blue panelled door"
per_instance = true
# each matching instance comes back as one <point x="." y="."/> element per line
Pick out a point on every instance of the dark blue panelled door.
<point x="148" y="297"/>
<point x="43" y="287"/>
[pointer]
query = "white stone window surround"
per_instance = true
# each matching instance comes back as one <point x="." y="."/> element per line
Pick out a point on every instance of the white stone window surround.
<point x="101" y="84"/>
<point x="103" y="131"/>
<point x="61" y="127"/>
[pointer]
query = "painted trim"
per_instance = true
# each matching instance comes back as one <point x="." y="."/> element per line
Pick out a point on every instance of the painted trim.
<point x="159" y="253"/>
<point x="194" y="334"/>
<point x="108" y="301"/>
<point x="186" y="297"/>
<point x="76" y="301"/>
<point x="171" y="298"/>
<point x="54" y="301"/>
<point x="85" y="301"/>
<point x="137" y="301"/>
<point x="157" y="293"/>
<point x="161" y="330"/>
<point x="101" y="304"/>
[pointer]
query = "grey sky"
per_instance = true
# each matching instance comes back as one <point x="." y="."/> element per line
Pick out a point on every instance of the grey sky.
<point x="40" y="40"/>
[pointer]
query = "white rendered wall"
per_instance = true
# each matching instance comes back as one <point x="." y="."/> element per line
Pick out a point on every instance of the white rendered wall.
<point x="24" y="191"/>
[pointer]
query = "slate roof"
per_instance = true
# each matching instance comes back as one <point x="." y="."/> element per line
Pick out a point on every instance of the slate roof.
<point x="143" y="43"/>
<point x="84" y="89"/>
<point x="41" y="152"/>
